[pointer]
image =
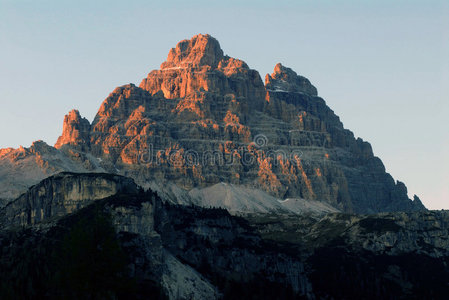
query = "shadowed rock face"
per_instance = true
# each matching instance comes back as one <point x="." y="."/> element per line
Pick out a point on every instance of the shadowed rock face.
<point x="205" y="118"/>
<point x="60" y="195"/>
<point x="23" y="167"/>
<point x="190" y="252"/>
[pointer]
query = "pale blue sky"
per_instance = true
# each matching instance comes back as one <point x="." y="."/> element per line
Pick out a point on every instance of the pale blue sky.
<point x="382" y="66"/>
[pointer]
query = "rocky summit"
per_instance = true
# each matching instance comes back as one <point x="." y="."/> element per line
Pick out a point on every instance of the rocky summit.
<point x="203" y="182"/>
<point x="206" y="124"/>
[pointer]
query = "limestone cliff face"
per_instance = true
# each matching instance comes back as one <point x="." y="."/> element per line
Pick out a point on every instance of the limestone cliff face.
<point x="60" y="195"/>
<point x="23" y="167"/>
<point x="75" y="131"/>
<point x="284" y="79"/>
<point x="192" y="252"/>
<point x="196" y="67"/>
<point x="205" y="118"/>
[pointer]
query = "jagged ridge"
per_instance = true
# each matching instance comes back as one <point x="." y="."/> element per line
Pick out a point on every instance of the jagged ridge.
<point x="133" y="244"/>
<point x="206" y="118"/>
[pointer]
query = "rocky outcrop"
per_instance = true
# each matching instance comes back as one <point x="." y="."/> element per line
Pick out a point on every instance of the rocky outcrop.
<point x="204" y="118"/>
<point x="197" y="67"/>
<point x="384" y="253"/>
<point x="207" y="119"/>
<point x="152" y="247"/>
<point x="284" y="79"/>
<point x="60" y="195"/>
<point x="23" y="167"/>
<point x="75" y="132"/>
<point x="423" y="232"/>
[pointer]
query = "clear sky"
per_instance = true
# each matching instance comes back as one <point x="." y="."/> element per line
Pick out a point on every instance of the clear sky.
<point x="382" y="66"/>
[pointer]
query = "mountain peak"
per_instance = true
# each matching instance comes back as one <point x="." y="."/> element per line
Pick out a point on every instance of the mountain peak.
<point x="200" y="50"/>
<point x="198" y="66"/>
<point x="206" y="118"/>
<point x="285" y="79"/>
<point x="75" y="130"/>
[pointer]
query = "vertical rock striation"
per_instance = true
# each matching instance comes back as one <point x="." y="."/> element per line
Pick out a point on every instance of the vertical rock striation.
<point x="60" y="195"/>
<point x="205" y="118"/>
<point x="75" y="131"/>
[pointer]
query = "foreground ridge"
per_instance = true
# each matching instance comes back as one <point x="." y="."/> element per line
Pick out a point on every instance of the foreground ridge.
<point x="120" y="242"/>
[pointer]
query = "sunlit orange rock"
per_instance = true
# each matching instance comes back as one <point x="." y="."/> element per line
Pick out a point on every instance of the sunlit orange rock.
<point x="205" y="118"/>
<point x="199" y="65"/>
<point x="75" y="131"/>
<point x="284" y="79"/>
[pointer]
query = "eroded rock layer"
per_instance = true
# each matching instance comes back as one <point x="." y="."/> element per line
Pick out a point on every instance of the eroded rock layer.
<point x="205" y="118"/>
<point x="132" y="244"/>
<point x="60" y="195"/>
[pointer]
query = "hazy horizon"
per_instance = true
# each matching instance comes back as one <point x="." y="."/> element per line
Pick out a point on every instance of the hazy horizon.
<point x="382" y="67"/>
